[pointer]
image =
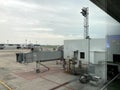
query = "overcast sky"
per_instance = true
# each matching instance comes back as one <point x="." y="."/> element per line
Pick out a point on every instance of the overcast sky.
<point x="49" y="21"/>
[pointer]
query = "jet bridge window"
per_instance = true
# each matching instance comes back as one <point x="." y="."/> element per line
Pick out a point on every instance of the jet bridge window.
<point x="82" y="55"/>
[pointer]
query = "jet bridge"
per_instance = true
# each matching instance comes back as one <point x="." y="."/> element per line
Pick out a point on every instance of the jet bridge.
<point x="38" y="57"/>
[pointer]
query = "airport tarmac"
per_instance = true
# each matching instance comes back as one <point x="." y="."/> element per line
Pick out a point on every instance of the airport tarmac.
<point x="16" y="76"/>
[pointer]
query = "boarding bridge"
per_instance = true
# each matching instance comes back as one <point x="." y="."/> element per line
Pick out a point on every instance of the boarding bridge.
<point x="38" y="57"/>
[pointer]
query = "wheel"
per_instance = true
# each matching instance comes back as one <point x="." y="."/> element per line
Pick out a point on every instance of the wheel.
<point x="37" y="70"/>
<point x="83" y="79"/>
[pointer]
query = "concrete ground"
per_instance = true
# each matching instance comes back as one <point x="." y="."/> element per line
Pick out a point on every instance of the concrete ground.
<point x="23" y="76"/>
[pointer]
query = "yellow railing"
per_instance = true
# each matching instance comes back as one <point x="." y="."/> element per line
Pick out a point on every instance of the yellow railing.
<point x="5" y="85"/>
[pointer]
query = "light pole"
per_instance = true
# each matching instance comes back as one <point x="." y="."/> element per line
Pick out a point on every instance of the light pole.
<point x="7" y="41"/>
<point x="36" y="42"/>
<point x="85" y="13"/>
<point x="26" y="41"/>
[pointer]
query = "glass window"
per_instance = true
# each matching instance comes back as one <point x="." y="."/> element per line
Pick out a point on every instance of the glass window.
<point x="82" y="55"/>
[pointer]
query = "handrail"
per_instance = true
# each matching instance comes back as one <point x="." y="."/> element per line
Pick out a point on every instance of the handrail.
<point x="105" y="86"/>
<point x="5" y="85"/>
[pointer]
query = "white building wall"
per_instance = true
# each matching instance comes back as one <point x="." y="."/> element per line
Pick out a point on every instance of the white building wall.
<point x="108" y="45"/>
<point x="97" y="53"/>
<point x="98" y="44"/>
<point x="97" y="57"/>
<point x="82" y="46"/>
<point x="72" y="45"/>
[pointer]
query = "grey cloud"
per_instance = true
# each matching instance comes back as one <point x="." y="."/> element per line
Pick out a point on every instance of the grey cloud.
<point x="62" y="16"/>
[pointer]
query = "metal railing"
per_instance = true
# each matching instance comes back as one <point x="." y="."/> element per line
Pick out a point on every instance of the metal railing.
<point x="106" y="85"/>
